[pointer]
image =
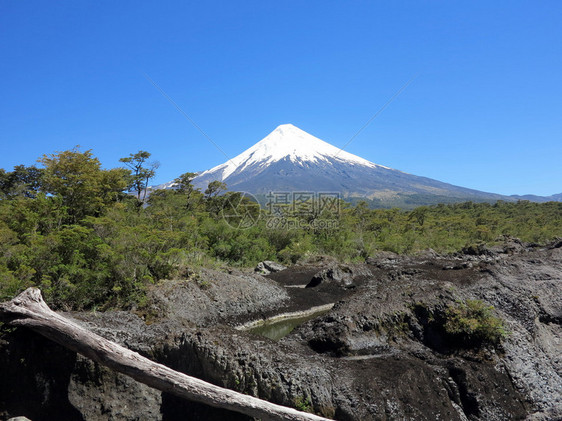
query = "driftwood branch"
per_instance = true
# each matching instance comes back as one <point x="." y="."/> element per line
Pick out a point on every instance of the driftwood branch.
<point x="28" y="309"/>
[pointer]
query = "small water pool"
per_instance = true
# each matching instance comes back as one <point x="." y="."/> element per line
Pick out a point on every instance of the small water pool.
<point x="278" y="329"/>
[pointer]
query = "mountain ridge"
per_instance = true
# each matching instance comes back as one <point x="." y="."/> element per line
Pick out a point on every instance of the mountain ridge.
<point x="289" y="160"/>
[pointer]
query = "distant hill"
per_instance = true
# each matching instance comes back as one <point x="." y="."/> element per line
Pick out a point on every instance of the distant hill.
<point x="540" y="199"/>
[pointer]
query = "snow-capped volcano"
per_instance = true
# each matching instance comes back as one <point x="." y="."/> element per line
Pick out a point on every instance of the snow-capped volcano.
<point x="291" y="160"/>
<point x="287" y="142"/>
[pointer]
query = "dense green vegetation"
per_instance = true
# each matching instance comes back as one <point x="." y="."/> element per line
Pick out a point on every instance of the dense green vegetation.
<point x="464" y="324"/>
<point x="70" y="228"/>
<point x="473" y="321"/>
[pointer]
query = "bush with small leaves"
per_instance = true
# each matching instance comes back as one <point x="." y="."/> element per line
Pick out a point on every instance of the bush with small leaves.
<point x="474" y="322"/>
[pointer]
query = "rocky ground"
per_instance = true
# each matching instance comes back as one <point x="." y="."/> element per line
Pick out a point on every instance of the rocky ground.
<point x="379" y="354"/>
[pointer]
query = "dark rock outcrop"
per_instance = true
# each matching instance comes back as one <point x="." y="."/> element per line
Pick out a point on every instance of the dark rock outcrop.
<point x="343" y="276"/>
<point x="374" y="356"/>
<point x="523" y="375"/>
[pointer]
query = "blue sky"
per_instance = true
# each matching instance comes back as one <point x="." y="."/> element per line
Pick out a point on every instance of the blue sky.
<point x="484" y="111"/>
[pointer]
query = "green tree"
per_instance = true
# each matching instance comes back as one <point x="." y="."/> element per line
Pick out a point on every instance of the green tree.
<point x="213" y="202"/>
<point x="78" y="179"/>
<point x="214" y="189"/>
<point x="22" y="181"/>
<point x="141" y="172"/>
<point x="192" y="195"/>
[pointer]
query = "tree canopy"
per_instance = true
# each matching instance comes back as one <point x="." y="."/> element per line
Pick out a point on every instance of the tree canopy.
<point x="70" y="229"/>
<point x="141" y="172"/>
<point x="78" y="179"/>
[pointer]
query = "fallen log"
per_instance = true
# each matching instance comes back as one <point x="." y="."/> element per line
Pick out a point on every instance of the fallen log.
<point x="28" y="309"/>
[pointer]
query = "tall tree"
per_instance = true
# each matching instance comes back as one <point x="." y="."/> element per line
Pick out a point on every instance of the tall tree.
<point x="214" y="189"/>
<point x="78" y="179"/>
<point x="141" y="172"/>
<point x="22" y="181"/>
<point x="213" y="200"/>
<point x="192" y="195"/>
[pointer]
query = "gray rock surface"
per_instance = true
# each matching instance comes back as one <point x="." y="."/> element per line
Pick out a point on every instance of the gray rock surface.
<point x="524" y="285"/>
<point x="339" y="275"/>
<point x="267" y="266"/>
<point x="210" y="297"/>
<point x="374" y="356"/>
<point x="97" y="391"/>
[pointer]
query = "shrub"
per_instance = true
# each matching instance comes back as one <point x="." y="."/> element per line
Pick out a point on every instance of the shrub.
<point x="473" y="321"/>
<point x="303" y="404"/>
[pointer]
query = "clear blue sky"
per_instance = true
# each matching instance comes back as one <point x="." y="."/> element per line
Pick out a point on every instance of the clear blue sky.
<point x="485" y="110"/>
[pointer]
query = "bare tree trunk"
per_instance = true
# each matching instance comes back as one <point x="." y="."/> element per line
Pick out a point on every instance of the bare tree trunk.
<point x="28" y="309"/>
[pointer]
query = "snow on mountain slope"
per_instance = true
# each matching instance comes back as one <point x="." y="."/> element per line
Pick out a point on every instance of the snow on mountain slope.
<point x="291" y="160"/>
<point x="286" y="142"/>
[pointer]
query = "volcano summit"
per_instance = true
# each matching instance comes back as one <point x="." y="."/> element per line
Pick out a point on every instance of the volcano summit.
<point x="290" y="159"/>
